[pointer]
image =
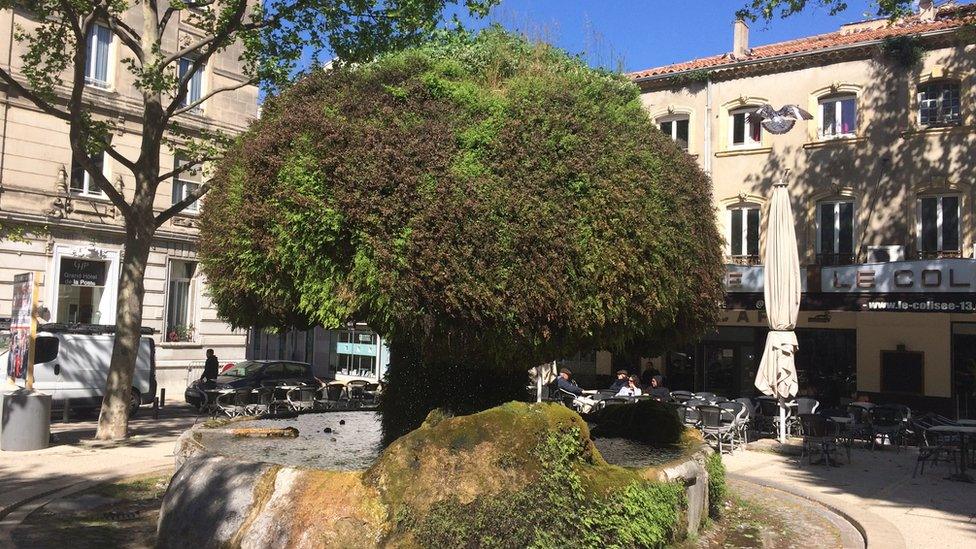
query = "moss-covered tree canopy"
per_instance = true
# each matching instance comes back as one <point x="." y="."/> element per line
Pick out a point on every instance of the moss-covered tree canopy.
<point x="481" y="194"/>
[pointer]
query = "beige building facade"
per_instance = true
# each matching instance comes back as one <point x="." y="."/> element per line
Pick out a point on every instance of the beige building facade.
<point x="881" y="182"/>
<point x="73" y="235"/>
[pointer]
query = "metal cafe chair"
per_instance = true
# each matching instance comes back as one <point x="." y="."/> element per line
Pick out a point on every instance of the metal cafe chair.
<point x="682" y="396"/>
<point x="301" y="398"/>
<point x="818" y="434"/>
<point x="260" y="402"/>
<point x="718" y="425"/>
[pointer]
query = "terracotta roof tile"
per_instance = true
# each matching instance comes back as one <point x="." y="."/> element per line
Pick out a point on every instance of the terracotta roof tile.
<point x="849" y="35"/>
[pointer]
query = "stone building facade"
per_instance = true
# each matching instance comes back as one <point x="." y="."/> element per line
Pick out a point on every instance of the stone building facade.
<point x="882" y="192"/>
<point x="72" y="233"/>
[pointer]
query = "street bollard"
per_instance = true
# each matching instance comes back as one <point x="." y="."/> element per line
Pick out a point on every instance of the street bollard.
<point x="66" y="412"/>
<point x="156" y="408"/>
<point x="162" y="398"/>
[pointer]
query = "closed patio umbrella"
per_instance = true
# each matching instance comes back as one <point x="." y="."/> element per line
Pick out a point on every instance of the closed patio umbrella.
<point x="543" y="374"/>
<point x="781" y="290"/>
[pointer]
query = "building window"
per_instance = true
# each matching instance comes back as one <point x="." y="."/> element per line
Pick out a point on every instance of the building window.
<point x="98" y="52"/>
<point x="835" y="233"/>
<point x="838" y="116"/>
<point x="180" y="302"/>
<point x="81" y="290"/>
<point x="676" y="127"/>
<point x="903" y="372"/>
<point x="744" y="233"/>
<point x="185" y="183"/>
<point x="194" y="86"/>
<point x="745" y="129"/>
<point x="81" y="181"/>
<point x="938" y="224"/>
<point x="356" y="353"/>
<point x="938" y="103"/>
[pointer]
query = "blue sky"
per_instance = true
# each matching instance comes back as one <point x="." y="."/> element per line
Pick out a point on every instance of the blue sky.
<point x="648" y="33"/>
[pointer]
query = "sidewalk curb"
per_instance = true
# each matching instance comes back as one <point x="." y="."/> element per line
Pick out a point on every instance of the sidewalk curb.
<point x="876" y="531"/>
<point x="14" y="514"/>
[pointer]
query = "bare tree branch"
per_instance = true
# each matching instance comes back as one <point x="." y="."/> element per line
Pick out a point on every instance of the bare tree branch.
<point x="33" y="97"/>
<point x="127" y="35"/>
<point x="192" y="197"/>
<point x="212" y="93"/>
<point x="120" y="158"/>
<point x="183" y="168"/>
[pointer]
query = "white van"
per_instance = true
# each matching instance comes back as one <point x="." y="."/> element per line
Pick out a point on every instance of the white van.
<point x="71" y="364"/>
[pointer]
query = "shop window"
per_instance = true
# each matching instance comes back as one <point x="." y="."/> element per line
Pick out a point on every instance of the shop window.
<point x="903" y="372"/>
<point x="181" y="301"/>
<point x="938" y="225"/>
<point x="194" y="86"/>
<point x="835" y="232"/>
<point x="81" y="290"/>
<point x="676" y="127"/>
<point x="81" y="181"/>
<point x="185" y="183"/>
<point x="744" y="233"/>
<point x="745" y="130"/>
<point x="838" y="116"/>
<point x="356" y="353"/>
<point x="938" y="103"/>
<point x="98" y="51"/>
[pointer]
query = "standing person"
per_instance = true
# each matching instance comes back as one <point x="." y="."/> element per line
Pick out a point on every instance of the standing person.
<point x="210" y="367"/>
<point x="620" y="383"/>
<point x="632" y="388"/>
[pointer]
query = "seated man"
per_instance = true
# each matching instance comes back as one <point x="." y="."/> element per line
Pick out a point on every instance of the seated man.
<point x="658" y="390"/>
<point x="620" y="383"/>
<point x="580" y="400"/>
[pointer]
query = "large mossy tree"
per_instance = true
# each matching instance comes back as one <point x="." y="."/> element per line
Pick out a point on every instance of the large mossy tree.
<point x="483" y="202"/>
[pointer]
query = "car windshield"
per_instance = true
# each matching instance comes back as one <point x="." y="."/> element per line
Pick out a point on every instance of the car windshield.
<point x="244" y="369"/>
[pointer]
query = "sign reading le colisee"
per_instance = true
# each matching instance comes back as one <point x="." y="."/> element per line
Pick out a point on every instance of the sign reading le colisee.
<point x="943" y="275"/>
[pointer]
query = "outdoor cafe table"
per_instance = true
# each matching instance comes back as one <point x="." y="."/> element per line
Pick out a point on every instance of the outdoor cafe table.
<point x="964" y="432"/>
<point x="843" y="425"/>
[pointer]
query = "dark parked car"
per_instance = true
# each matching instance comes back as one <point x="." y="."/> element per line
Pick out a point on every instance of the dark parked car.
<point x="255" y="374"/>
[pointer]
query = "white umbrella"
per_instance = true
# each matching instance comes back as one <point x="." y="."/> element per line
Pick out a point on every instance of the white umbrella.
<point x="543" y="374"/>
<point x="781" y="290"/>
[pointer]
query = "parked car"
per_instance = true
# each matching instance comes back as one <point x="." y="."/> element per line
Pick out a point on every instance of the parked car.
<point x="71" y="364"/>
<point x="253" y="374"/>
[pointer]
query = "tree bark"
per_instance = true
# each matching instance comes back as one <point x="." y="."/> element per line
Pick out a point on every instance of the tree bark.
<point x="113" y="421"/>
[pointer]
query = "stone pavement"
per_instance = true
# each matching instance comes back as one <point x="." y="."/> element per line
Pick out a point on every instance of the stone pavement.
<point x="75" y="459"/>
<point x="877" y="490"/>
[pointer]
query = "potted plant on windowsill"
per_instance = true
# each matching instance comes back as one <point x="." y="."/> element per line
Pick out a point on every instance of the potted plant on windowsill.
<point x="180" y="333"/>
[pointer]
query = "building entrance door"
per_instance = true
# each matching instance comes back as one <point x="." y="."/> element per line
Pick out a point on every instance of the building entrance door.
<point x="964" y="369"/>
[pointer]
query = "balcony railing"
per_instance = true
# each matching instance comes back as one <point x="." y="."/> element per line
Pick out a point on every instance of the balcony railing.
<point x="940" y="254"/>
<point x="743" y="259"/>
<point x="832" y="260"/>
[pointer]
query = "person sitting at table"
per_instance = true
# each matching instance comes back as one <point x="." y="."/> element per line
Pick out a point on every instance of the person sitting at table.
<point x="581" y="400"/>
<point x="632" y="388"/>
<point x="658" y="391"/>
<point x="620" y="382"/>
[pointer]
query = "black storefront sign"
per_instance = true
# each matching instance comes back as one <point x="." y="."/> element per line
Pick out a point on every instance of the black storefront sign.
<point x="82" y="272"/>
<point x="934" y="302"/>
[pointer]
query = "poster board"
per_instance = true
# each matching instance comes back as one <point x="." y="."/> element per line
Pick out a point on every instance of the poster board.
<point x="23" y="328"/>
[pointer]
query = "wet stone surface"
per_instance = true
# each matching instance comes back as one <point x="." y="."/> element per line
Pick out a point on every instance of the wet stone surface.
<point x="338" y="441"/>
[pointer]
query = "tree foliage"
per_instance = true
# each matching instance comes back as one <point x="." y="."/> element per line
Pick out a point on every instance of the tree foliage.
<point x="269" y="37"/>
<point x="477" y="196"/>
<point x="771" y="9"/>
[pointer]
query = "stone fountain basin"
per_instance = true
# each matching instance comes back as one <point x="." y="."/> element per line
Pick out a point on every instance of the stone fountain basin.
<point x="309" y="491"/>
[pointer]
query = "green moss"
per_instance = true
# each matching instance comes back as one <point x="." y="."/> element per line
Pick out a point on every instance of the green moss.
<point x="557" y="509"/>
<point x="717" y="488"/>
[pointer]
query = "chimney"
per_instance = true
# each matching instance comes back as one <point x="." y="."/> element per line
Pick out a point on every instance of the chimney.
<point x="926" y="10"/>
<point x="740" y="39"/>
